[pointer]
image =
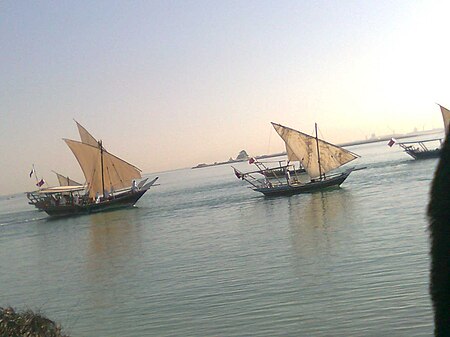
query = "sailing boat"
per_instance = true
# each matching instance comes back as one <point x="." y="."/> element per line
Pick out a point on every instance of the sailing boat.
<point x="111" y="182"/>
<point x="419" y="149"/>
<point x="316" y="156"/>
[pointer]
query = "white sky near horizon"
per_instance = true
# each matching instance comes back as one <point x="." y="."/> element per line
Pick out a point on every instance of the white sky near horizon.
<point x="170" y="84"/>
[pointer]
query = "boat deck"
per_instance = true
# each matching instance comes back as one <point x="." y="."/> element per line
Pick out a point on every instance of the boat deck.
<point x="298" y="187"/>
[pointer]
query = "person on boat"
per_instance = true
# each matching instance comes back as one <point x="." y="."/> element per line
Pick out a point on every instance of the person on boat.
<point x="288" y="176"/>
<point x="109" y="195"/>
<point x="134" y="186"/>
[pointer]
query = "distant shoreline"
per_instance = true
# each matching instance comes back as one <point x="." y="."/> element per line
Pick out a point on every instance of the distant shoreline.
<point x="356" y="142"/>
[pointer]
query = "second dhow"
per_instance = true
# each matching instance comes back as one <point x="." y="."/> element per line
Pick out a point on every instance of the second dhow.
<point x="316" y="156"/>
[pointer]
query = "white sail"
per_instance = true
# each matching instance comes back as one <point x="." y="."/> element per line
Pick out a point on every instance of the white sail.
<point x="85" y="136"/>
<point x="66" y="181"/>
<point x="302" y="147"/>
<point x="446" y="117"/>
<point x="291" y="155"/>
<point x="117" y="173"/>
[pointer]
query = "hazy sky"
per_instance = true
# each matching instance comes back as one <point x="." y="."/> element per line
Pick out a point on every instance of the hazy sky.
<point x="170" y="84"/>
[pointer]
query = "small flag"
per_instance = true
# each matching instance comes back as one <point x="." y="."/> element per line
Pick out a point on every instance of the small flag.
<point x="251" y="160"/>
<point x="32" y="171"/>
<point x="391" y="142"/>
<point x="40" y="183"/>
<point x="237" y="173"/>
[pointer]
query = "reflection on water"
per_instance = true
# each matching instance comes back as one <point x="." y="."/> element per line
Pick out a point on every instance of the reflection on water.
<point x="316" y="218"/>
<point x="114" y="243"/>
<point x="113" y="239"/>
<point x="322" y="208"/>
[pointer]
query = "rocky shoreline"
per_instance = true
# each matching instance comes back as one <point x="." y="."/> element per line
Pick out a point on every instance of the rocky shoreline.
<point x="27" y="323"/>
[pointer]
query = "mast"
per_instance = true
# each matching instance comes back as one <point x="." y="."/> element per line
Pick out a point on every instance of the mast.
<point x="318" y="153"/>
<point x="37" y="179"/>
<point x="35" y="175"/>
<point x="101" y="165"/>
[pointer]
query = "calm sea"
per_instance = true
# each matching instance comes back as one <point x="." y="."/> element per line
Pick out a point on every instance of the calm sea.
<point x="203" y="255"/>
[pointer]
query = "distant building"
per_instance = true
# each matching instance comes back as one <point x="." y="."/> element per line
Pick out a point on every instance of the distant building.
<point x="242" y="155"/>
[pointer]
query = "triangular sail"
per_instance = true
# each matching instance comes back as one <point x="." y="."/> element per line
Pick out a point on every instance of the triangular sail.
<point x="117" y="173"/>
<point x="66" y="181"/>
<point x="85" y="136"/>
<point x="446" y="117"/>
<point x="291" y="155"/>
<point x="302" y="147"/>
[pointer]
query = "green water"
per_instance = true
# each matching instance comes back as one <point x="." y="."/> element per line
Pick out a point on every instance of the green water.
<point x="203" y="255"/>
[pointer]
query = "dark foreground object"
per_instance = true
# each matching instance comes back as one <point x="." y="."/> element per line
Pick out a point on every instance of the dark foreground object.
<point x="439" y="218"/>
<point x="27" y="323"/>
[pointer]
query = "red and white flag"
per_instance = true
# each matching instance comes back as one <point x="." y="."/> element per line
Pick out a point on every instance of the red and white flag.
<point x="251" y="160"/>
<point x="391" y="142"/>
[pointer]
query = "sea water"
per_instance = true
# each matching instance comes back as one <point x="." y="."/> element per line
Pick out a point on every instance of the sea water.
<point x="204" y="255"/>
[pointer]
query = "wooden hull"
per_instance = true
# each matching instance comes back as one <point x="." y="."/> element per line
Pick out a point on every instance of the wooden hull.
<point x="125" y="200"/>
<point x="419" y="155"/>
<point x="312" y="186"/>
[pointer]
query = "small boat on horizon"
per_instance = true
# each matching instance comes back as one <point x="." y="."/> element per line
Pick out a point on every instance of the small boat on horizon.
<point x="316" y="156"/>
<point x="421" y="149"/>
<point x="111" y="182"/>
